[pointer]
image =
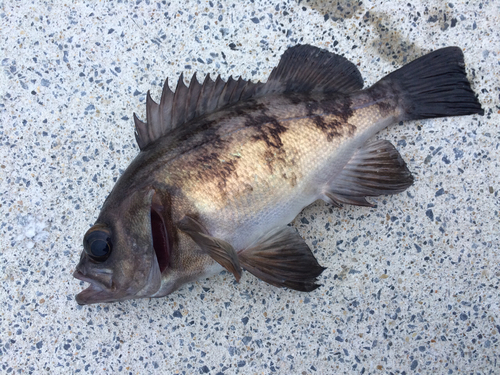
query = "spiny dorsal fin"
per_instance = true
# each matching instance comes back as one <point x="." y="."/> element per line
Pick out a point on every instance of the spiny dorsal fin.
<point x="302" y="69"/>
<point x="376" y="169"/>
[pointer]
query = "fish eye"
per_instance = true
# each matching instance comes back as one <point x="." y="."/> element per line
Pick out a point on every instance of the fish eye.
<point x="97" y="243"/>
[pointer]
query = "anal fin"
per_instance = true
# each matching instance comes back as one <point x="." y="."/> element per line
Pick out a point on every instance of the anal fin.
<point x="376" y="169"/>
<point x="283" y="259"/>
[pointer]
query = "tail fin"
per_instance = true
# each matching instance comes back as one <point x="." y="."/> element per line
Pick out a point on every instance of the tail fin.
<point x="435" y="85"/>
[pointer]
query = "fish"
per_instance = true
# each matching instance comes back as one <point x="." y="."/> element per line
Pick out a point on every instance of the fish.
<point x="225" y="166"/>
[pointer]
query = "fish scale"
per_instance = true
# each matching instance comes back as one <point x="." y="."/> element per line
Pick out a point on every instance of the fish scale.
<point x="308" y="153"/>
<point x="272" y="199"/>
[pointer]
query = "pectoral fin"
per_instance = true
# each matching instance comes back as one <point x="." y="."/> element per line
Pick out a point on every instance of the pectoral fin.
<point x="222" y="252"/>
<point x="282" y="258"/>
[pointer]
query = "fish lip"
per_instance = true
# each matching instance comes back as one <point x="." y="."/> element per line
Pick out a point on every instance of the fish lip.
<point x="80" y="276"/>
<point x="90" y="294"/>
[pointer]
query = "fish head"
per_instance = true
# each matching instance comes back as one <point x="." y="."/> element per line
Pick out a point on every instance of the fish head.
<point x="119" y="259"/>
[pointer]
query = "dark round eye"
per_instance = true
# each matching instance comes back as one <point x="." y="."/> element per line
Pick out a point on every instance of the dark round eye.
<point x="97" y="242"/>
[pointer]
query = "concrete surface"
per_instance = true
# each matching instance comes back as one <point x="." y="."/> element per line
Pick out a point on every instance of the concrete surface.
<point x="412" y="286"/>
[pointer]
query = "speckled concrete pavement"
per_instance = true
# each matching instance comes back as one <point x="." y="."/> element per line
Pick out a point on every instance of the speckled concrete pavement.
<point x="412" y="286"/>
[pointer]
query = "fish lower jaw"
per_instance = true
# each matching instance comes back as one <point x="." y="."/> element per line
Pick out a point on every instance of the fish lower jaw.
<point x="95" y="292"/>
<point x="84" y="297"/>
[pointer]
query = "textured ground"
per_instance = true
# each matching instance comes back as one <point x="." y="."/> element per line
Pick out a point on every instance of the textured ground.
<point x="412" y="286"/>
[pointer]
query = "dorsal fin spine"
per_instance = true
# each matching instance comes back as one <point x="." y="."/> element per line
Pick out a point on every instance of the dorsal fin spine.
<point x="178" y="103"/>
<point x="238" y="90"/>
<point x="193" y="92"/>
<point x="216" y="93"/>
<point x="167" y="97"/>
<point x="140" y="128"/>
<point x="152" y="115"/>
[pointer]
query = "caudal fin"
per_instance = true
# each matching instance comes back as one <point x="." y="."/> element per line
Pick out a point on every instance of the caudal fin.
<point x="434" y="85"/>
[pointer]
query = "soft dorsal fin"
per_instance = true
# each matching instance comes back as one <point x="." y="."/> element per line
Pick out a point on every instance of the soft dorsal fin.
<point x="305" y="69"/>
<point x="302" y="69"/>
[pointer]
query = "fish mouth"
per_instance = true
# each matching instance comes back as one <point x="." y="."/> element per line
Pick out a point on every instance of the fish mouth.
<point x="161" y="242"/>
<point x="95" y="292"/>
<point x="103" y="289"/>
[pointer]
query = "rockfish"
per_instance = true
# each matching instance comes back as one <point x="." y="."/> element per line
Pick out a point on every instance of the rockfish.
<point x="225" y="166"/>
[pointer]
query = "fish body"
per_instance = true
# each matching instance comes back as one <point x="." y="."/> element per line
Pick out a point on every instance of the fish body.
<point x="224" y="167"/>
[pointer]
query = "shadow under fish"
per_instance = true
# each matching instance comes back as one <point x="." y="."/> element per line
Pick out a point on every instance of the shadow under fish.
<point x="225" y="166"/>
